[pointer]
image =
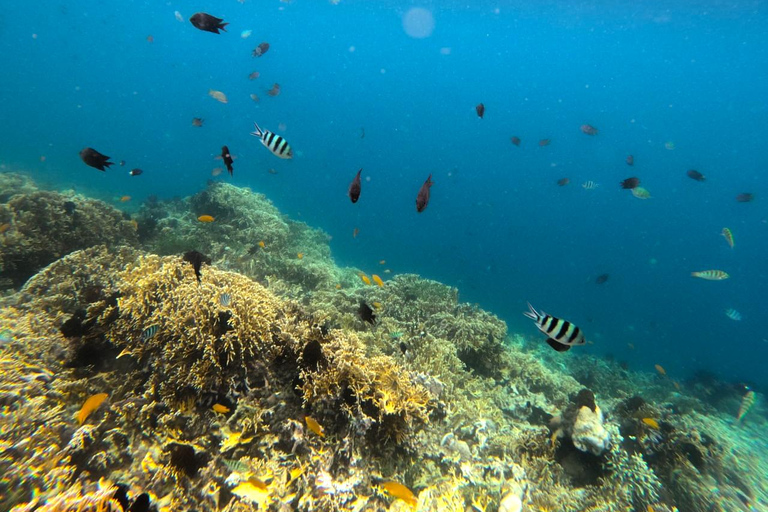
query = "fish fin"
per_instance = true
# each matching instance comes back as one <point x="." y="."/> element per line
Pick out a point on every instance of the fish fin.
<point x="557" y="346"/>
<point x="258" y="132"/>
<point x="532" y="313"/>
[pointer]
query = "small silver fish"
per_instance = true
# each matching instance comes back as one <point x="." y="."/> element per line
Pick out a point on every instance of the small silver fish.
<point x="733" y="314"/>
<point x="562" y="334"/>
<point x="225" y="299"/>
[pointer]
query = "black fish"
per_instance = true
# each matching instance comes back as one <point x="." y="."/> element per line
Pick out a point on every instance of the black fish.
<point x="480" y="109"/>
<point x="696" y="175"/>
<point x="422" y="200"/>
<point x="745" y="197"/>
<point x="207" y="22"/>
<point x="135" y="172"/>
<point x="630" y="183"/>
<point x="197" y="259"/>
<point x="95" y="159"/>
<point x="602" y="278"/>
<point x="563" y="181"/>
<point x="354" y="187"/>
<point x="366" y="313"/>
<point x="69" y="207"/>
<point x="227" y="159"/>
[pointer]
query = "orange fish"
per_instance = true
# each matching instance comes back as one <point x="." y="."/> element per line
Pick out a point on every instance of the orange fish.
<point x="545" y="142"/>
<point x="300" y="255"/>
<point x="262" y="244"/>
<point x="89" y="406"/>
<point x="221" y="409"/>
<point x="5" y="227"/>
<point x="660" y="369"/>
<point x="651" y="423"/>
<point x="314" y="426"/>
<point x="338" y="286"/>
<point x="205" y="218"/>
<point x="400" y="491"/>
<point x="378" y="281"/>
<point x="382" y="262"/>
<point x="365" y="279"/>
<point x="125" y="199"/>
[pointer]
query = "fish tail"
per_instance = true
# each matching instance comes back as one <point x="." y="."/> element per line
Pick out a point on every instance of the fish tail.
<point x="532" y="313"/>
<point x="258" y="132"/>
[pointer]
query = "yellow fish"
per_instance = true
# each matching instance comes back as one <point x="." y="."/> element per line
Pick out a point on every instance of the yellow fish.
<point x="262" y="244"/>
<point x="221" y="409"/>
<point x="218" y="96"/>
<point x="5" y="227"/>
<point x="711" y="275"/>
<point x="728" y="236"/>
<point x="89" y="406"/>
<point x="205" y="218"/>
<point x="660" y="369"/>
<point x="300" y="255"/>
<point x="314" y="426"/>
<point x="338" y="286"/>
<point x="125" y="199"/>
<point x="400" y="491"/>
<point x="365" y="278"/>
<point x="378" y="281"/>
<point x="377" y="305"/>
<point x="651" y="423"/>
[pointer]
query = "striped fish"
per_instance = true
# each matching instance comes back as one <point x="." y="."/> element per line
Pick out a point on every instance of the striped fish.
<point x="711" y="275"/>
<point x="275" y="143"/>
<point x="562" y="334"/>
<point x="149" y="332"/>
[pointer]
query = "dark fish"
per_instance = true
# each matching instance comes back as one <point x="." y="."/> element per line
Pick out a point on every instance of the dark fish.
<point x="275" y="90"/>
<point x="354" y="187"/>
<point x="122" y="163"/>
<point x="745" y="197"/>
<point x="545" y="142"/>
<point x="198" y="122"/>
<point x="588" y="129"/>
<point x="149" y="332"/>
<point x="480" y="109"/>
<point x="95" y="159"/>
<point x="366" y="313"/>
<point x="563" y="181"/>
<point x="196" y="259"/>
<point x="141" y="503"/>
<point x="562" y="334"/>
<point x="403" y="347"/>
<point x="630" y="160"/>
<point x="207" y="22"/>
<point x="260" y="50"/>
<point x="515" y="140"/>
<point x="254" y="75"/>
<point x="227" y="159"/>
<point x="696" y="175"/>
<point x="69" y="207"/>
<point x="602" y="278"/>
<point x="135" y="172"/>
<point x="630" y="183"/>
<point x="422" y="200"/>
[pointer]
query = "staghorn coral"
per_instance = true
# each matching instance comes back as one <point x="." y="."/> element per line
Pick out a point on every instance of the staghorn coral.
<point x="45" y="226"/>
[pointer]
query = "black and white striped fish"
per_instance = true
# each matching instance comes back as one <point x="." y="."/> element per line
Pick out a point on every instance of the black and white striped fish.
<point x="275" y="143"/>
<point x="561" y="334"/>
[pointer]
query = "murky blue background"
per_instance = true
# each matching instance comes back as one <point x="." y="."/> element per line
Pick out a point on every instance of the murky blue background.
<point x="81" y="73"/>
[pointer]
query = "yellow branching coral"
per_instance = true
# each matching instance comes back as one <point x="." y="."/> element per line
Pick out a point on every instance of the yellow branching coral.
<point x="73" y="500"/>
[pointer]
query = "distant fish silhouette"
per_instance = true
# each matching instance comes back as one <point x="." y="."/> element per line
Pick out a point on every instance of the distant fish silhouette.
<point x="696" y="175"/>
<point x="515" y="140"/>
<point x="354" y="187"/>
<point x="228" y="161"/>
<point x="480" y="109"/>
<point x="602" y="278"/>
<point x="422" y="200"/>
<point x="588" y="129"/>
<point x="630" y="160"/>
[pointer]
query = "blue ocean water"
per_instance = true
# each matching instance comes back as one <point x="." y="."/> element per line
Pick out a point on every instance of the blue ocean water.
<point x="693" y="73"/>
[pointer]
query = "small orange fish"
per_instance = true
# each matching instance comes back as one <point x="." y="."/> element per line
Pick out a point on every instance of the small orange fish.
<point x="89" y="406"/>
<point x="660" y="369"/>
<point x="314" y="426"/>
<point x="125" y="199"/>
<point x="355" y="232"/>
<point x="382" y="262"/>
<point x="338" y="286"/>
<point x="221" y="409"/>
<point x="300" y="255"/>
<point x="378" y="281"/>
<point x="365" y="278"/>
<point x="262" y="244"/>
<point x="651" y="423"/>
<point x="218" y="96"/>
<point x="400" y="491"/>
<point x="205" y="218"/>
<point x="4" y="227"/>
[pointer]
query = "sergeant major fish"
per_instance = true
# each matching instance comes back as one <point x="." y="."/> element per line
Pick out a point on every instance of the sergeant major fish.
<point x="275" y="143"/>
<point x="562" y="334"/>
